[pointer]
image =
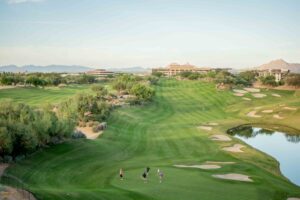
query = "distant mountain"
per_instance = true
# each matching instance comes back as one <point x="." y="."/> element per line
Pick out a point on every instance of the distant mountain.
<point x="45" y="69"/>
<point x="130" y="70"/>
<point x="281" y="64"/>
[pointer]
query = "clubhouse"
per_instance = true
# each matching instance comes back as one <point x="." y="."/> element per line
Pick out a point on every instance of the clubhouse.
<point x="100" y="73"/>
<point x="277" y="73"/>
<point x="174" y="69"/>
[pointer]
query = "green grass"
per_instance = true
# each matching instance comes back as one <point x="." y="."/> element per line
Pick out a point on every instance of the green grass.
<point x="160" y="135"/>
<point x="39" y="96"/>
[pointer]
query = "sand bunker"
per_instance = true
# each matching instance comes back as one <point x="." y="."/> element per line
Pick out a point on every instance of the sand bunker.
<point x="253" y="114"/>
<point x="289" y="108"/>
<point x="247" y="99"/>
<point x="235" y="148"/>
<point x="234" y="177"/>
<point x="88" y="132"/>
<point x="240" y="91"/>
<point x="259" y="95"/>
<point x="267" y="111"/>
<point x="276" y="95"/>
<point x="207" y="128"/>
<point x="204" y="166"/>
<point x="293" y="198"/>
<point x="238" y="94"/>
<point x="213" y="124"/>
<point x="219" y="162"/>
<point x="220" y="138"/>
<point x="252" y="89"/>
<point x="276" y="116"/>
<point x="10" y="193"/>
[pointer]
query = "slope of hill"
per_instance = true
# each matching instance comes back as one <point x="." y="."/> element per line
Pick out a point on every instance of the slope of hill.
<point x="281" y="64"/>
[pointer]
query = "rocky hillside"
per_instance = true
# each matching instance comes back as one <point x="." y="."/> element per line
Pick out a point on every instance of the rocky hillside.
<point x="281" y="64"/>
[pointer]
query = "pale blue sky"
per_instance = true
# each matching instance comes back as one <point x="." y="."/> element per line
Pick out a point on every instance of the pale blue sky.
<point x="149" y="33"/>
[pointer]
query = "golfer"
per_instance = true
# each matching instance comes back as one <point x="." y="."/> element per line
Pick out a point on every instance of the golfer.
<point x="121" y="174"/>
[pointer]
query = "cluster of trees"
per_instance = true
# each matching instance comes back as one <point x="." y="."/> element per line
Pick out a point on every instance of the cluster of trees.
<point x="43" y="79"/>
<point x="24" y="129"/>
<point x="220" y="76"/>
<point x="135" y="85"/>
<point x="293" y="80"/>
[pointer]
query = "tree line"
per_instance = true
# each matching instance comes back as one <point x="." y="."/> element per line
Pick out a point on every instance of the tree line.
<point x="44" y="79"/>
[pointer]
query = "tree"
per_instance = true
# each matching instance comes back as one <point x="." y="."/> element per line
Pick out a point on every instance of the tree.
<point x="6" y="145"/>
<point x="269" y="80"/>
<point x="293" y="80"/>
<point x="100" y="90"/>
<point x="142" y="92"/>
<point x="157" y="74"/>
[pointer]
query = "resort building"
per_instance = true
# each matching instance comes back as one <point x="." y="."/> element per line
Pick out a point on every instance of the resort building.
<point x="174" y="69"/>
<point x="277" y="73"/>
<point x="100" y="72"/>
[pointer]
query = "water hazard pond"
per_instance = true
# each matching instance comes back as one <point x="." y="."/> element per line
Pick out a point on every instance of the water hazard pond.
<point x="284" y="147"/>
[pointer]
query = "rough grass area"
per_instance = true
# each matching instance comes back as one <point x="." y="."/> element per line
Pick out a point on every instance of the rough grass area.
<point x="160" y="135"/>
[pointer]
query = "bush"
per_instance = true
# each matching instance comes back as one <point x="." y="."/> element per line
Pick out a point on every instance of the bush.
<point x="293" y="80"/>
<point x="78" y="134"/>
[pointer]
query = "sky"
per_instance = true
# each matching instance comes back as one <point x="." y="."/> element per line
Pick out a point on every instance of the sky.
<point x="149" y="33"/>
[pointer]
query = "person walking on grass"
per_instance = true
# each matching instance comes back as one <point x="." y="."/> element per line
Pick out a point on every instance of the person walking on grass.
<point x="160" y="175"/>
<point x="144" y="176"/>
<point x="121" y="174"/>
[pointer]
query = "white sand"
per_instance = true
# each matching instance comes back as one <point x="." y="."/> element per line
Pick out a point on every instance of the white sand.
<point x="267" y="111"/>
<point x="10" y="193"/>
<point x="235" y="177"/>
<point x="220" y="138"/>
<point x="259" y="95"/>
<point x="276" y="116"/>
<point x="220" y="163"/>
<point x="252" y="89"/>
<point x="213" y="124"/>
<point x="207" y="128"/>
<point x="253" y="114"/>
<point x="235" y="148"/>
<point x="276" y="95"/>
<point x="238" y="94"/>
<point x="293" y="198"/>
<point x="204" y="166"/>
<point x="247" y="99"/>
<point x="88" y="132"/>
<point x="289" y="108"/>
<point x="240" y="91"/>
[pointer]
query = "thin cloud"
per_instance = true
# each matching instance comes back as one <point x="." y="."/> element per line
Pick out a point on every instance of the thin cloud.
<point x="23" y="1"/>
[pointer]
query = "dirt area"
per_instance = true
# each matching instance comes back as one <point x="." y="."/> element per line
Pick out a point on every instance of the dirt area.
<point x="204" y="166"/>
<point x="220" y="138"/>
<point x="213" y="124"/>
<point x="247" y="99"/>
<point x="253" y="114"/>
<point x="276" y="95"/>
<point x="10" y="193"/>
<point x="235" y="148"/>
<point x="7" y="87"/>
<point x="276" y="116"/>
<point x="252" y="89"/>
<point x="259" y="95"/>
<point x="234" y="177"/>
<point x="267" y="111"/>
<point x="206" y="128"/>
<point x="88" y="132"/>
<point x="238" y="94"/>
<point x="3" y="166"/>
<point x="289" y="108"/>
<point x="240" y="91"/>
<point x="219" y="162"/>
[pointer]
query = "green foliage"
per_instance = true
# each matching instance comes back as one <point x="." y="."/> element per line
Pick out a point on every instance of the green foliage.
<point x="101" y="91"/>
<point x="153" y="80"/>
<point x="269" y="80"/>
<point x="293" y="80"/>
<point x="157" y="74"/>
<point x="142" y="92"/>
<point x="24" y="129"/>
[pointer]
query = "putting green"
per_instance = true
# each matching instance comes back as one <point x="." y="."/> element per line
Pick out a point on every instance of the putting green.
<point x="160" y="135"/>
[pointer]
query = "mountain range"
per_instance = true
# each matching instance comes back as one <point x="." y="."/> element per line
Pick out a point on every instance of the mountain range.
<point x="281" y="64"/>
<point x="66" y="69"/>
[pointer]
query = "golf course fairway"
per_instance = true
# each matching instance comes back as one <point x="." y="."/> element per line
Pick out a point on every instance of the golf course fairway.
<point x="160" y="135"/>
